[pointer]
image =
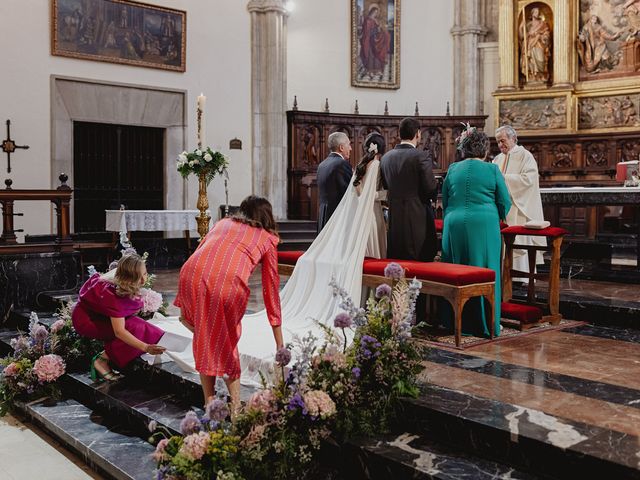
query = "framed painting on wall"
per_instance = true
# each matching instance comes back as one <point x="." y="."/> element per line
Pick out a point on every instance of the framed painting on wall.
<point x="375" y="43"/>
<point x="119" y="31"/>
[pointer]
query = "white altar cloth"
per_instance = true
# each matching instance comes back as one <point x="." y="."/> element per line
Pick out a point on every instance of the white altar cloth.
<point x="150" y="220"/>
<point x="589" y="189"/>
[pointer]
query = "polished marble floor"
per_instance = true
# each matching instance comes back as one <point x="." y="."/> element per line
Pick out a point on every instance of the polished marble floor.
<point x="587" y="374"/>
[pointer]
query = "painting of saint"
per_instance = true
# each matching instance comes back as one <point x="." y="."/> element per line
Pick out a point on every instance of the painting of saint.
<point x="375" y="43"/>
<point x="119" y="31"/>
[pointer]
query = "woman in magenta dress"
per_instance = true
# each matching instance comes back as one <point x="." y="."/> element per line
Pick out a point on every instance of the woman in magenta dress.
<point x="107" y="311"/>
<point x="213" y="291"/>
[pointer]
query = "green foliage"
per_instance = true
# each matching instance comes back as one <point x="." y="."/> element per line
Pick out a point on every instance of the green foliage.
<point x="205" y="161"/>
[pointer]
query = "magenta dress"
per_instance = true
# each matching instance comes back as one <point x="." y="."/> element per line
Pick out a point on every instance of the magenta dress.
<point x="92" y="318"/>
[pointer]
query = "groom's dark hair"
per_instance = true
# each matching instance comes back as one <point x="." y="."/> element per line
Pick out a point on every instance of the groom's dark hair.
<point x="408" y="128"/>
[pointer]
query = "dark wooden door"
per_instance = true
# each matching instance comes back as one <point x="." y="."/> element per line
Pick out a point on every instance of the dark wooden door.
<point x="115" y="165"/>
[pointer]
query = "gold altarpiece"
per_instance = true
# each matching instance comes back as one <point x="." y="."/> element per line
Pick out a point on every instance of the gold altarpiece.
<point x="570" y="86"/>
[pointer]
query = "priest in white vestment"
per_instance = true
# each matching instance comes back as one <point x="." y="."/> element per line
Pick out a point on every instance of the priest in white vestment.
<point x="520" y="172"/>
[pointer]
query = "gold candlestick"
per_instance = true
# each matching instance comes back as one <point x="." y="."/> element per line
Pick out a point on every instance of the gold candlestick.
<point x="203" y="205"/>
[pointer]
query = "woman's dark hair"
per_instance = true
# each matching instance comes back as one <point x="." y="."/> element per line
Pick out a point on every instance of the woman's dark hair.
<point x="256" y="211"/>
<point x="474" y="145"/>
<point x="361" y="168"/>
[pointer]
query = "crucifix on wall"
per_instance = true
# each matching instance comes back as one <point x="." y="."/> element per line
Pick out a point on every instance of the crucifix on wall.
<point x="9" y="146"/>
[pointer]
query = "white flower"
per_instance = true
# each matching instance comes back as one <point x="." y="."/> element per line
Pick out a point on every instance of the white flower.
<point x="207" y="157"/>
<point x="182" y="157"/>
<point x="192" y="163"/>
<point x="373" y="147"/>
<point x="198" y="152"/>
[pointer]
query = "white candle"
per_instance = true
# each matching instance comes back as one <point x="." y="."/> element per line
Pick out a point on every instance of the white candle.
<point x="201" y="102"/>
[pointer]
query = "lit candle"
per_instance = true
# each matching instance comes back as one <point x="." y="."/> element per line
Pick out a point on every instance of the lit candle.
<point x="201" y="102"/>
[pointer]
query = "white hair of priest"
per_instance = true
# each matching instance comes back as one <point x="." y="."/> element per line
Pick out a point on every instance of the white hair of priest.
<point x="509" y="131"/>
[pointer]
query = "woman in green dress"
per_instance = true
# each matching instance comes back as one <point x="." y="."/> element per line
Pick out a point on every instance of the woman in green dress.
<point x="474" y="199"/>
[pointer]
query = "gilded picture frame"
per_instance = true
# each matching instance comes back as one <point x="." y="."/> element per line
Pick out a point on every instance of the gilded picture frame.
<point x="120" y="31"/>
<point x="375" y="43"/>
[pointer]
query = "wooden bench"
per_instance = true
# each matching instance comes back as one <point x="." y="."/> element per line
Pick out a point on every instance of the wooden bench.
<point x="455" y="283"/>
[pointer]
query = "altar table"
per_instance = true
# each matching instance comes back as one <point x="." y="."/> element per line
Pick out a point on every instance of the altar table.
<point x="594" y="196"/>
<point x="150" y="220"/>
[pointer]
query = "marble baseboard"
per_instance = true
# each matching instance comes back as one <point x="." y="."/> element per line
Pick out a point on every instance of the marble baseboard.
<point x="24" y="277"/>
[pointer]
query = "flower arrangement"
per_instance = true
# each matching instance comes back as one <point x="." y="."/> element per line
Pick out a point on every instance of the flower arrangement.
<point x="33" y="368"/>
<point x="203" y="161"/>
<point x="335" y="389"/>
<point x="463" y="137"/>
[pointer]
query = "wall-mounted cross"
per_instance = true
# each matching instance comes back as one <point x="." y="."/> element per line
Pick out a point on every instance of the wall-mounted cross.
<point x="9" y="146"/>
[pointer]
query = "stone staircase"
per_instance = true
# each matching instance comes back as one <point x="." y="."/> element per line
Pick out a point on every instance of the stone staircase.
<point x="296" y="234"/>
<point x="444" y="434"/>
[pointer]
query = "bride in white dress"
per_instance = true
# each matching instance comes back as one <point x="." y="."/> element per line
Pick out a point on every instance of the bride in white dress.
<point x="355" y="229"/>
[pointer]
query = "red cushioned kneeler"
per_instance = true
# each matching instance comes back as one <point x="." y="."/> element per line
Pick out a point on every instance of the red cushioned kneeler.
<point x="543" y="232"/>
<point x="290" y="257"/>
<point x="526" y="314"/>
<point x="441" y="272"/>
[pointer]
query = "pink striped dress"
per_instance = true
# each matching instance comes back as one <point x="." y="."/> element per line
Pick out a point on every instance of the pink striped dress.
<point x="213" y="292"/>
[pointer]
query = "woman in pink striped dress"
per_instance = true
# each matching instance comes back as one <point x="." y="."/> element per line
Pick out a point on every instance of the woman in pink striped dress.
<point x="213" y="291"/>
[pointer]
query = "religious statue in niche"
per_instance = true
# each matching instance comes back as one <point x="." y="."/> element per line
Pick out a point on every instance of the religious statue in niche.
<point x="534" y="114"/>
<point x="610" y="111"/>
<point x="432" y="142"/>
<point x="563" y="153"/>
<point x="596" y="154"/>
<point x="535" y="39"/>
<point x="309" y="146"/>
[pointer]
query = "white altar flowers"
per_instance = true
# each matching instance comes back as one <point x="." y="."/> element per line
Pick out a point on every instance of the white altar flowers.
<point x="203" y="161"/>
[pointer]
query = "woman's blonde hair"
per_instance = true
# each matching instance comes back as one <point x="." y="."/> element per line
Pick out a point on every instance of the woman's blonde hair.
<point x="128" y="277"/>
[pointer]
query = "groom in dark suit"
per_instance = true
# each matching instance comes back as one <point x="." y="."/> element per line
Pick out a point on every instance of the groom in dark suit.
<point x="333" y="176"/>
<point x="407" y="174"/>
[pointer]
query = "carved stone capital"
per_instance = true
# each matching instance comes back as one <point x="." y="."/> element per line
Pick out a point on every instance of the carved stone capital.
<point x="266" y="6"/>
<point x="469" y="30"/>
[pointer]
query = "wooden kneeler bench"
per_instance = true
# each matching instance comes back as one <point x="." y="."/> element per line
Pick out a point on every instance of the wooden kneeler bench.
<point x="455" y="283"/>
<point x="531" y="313"/>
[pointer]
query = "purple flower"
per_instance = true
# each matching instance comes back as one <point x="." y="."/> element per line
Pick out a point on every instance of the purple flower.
<point x="368" y="347"/>
<point x="394" y="271"/>
<point x="190" y="424"/>
<point x="355" y="371"/>
<point x="217" y="410"/>
<point x="129" y="251"/>
<point x="113" y="265"/>
<point x="342" y="320"/>
<point x="19" y="344"/>
<point x="283" y="356"/>
<point x="297" y="402"/>
<point x="40" y="333"/>
<point x="383" y="290"/>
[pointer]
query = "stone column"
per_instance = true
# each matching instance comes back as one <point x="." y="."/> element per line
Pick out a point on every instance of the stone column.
<point x="562" y="28"/>
<point x="468" y="30"/>
<point x="268" y="101"/>
<point x="507" y="46"/>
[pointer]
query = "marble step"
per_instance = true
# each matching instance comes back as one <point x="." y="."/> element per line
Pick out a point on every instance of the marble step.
<point x="106" y="446"/>
<point x="528" y="439"/>
<point x="606" y="312"/>
<point x="413" y="456"/>
<point x="124" y="399"/>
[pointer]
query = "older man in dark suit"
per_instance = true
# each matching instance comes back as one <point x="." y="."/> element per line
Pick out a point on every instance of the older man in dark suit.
<point x="407" y="174"/>
<point x="333" y="176"/>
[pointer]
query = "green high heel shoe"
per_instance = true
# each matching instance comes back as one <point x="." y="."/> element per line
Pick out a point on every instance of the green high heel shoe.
<point x="96" y="376"/>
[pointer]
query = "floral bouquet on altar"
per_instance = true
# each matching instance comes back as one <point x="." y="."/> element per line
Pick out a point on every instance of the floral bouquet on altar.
<point x="203" y="161"/>
<point x="335" y="390"/>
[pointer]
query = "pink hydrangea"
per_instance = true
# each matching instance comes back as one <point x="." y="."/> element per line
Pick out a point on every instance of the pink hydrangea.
<point x="319" y="404"/>
<point x="49" y="368"/>
<point x="57" y="326"/>
<point x="152" y="300"/>
<point x="263" y="401"/>
<point x="195" y="445"/>
<point x="11" y="370"/>
<point x="160" y="455"/>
